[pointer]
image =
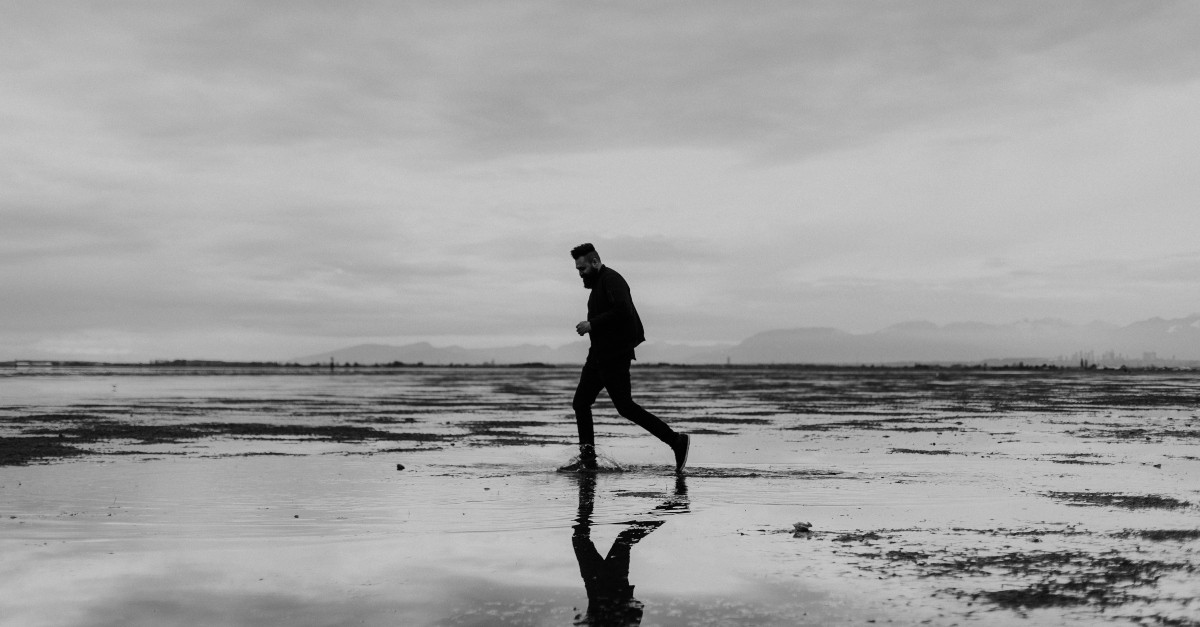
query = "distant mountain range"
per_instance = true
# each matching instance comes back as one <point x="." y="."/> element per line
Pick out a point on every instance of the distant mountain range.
<point x="1149" y="342"/>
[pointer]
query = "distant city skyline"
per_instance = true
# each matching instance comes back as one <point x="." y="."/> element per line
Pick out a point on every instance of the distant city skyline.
<point x="255" y="181"/>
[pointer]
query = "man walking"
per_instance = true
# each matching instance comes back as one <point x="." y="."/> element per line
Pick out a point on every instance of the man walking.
<point x="615" y="330"/>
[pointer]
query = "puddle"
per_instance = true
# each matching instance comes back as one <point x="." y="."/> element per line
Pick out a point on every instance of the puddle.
<point x="430" y="497"/>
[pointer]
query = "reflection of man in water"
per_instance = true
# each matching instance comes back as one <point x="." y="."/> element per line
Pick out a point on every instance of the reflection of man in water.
<point x="606" y="579"/>
<point x="615" y="329"/>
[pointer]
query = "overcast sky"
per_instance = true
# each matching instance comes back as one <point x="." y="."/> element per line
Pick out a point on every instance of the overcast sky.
<point x="264" y="180"/>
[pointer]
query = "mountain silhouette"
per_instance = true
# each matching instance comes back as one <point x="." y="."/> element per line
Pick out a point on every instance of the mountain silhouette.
<point x="1034" y="341"/>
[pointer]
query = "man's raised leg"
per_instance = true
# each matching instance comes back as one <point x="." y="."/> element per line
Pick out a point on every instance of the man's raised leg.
<point x="620" y="389"/>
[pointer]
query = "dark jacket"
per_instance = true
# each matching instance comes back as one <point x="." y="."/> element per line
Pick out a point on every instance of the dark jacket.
<point x="616" y="327"/>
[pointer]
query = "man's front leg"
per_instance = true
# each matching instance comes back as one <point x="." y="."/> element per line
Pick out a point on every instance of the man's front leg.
<point x="585" y="396"/>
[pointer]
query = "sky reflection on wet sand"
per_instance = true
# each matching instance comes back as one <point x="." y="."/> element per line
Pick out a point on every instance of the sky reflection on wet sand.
<point x="271" y="530"/>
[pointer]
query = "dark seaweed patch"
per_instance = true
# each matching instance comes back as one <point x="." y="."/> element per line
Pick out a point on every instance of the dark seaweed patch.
<point x="1074" y="579"/>
<point x="523" y="440"/>
<point x="1161" y="535"/>
<point x="896" y="391"/>
<point x="60" y="442"/>
<point x="858" y="537"/>
<point x="1138" y="433"/>
<point x="486" y="426"/>
<point x="1062" y="578"/>
<point x="1033" y="597"/>
<point x="53" y="418"/>
<point x="238" y="401"/>
<point x="386" y="420"/>
<point x="103" y="430"/>
<point x="903" y="425"/>
<point x="1113" y="499"/>
<point x="20" y="451"/>
<point x="723" y="420"/>
<point x="900" y="555"/>
<point x="815" y="410"/>
<point x="152" y="434"/>
<point x="1026" y="533"/>
<point x="917" y="451"/>
<point x="337" y="433"/>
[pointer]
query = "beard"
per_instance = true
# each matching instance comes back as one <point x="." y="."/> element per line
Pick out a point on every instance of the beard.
<point x="589" y="280"/>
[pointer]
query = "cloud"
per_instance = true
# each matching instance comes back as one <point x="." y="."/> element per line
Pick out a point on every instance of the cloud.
<point x="490" y="80"/>
<point x="374" y="169"/>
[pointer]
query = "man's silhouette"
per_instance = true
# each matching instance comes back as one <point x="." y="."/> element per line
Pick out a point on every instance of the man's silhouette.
<point x="606" y="579"/>
<point x="615" y="330"/>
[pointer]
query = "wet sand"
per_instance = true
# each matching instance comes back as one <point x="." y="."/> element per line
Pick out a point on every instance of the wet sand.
<point x="429" y="497"/>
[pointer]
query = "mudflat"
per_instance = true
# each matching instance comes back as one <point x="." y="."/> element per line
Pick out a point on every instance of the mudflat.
<point x="428" y="496"/>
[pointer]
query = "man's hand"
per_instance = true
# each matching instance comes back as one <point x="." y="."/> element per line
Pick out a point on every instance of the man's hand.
<point x="583" y="328"/>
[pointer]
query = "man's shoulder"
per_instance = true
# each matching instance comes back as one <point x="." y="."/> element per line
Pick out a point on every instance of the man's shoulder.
<point x="608" y="274"/>
<point x="607" y="270"/>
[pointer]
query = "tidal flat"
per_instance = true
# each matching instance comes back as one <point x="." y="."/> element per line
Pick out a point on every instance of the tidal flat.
<point x="428" y="496"/>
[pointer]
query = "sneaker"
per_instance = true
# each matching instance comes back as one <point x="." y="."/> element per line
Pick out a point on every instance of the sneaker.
<point x="586" y="462"/>
<point x="682" y="443"/>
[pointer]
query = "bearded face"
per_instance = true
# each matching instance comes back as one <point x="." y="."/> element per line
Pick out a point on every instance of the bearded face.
<point x="589" y="273"/>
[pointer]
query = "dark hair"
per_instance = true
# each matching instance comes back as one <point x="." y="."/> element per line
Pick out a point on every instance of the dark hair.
<point x="585" y="250"/>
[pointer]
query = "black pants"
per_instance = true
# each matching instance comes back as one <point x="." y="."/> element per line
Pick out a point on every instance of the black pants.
<point x="611" y="372"/>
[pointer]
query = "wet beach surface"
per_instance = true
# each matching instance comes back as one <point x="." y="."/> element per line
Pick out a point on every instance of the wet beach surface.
<point x="429" y="497"/>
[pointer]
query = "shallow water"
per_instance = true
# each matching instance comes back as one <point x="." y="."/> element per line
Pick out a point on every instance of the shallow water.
<point x="930" y="493"/>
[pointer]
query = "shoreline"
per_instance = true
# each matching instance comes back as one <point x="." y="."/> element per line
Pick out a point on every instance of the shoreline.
<point x="184" y="367"/>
